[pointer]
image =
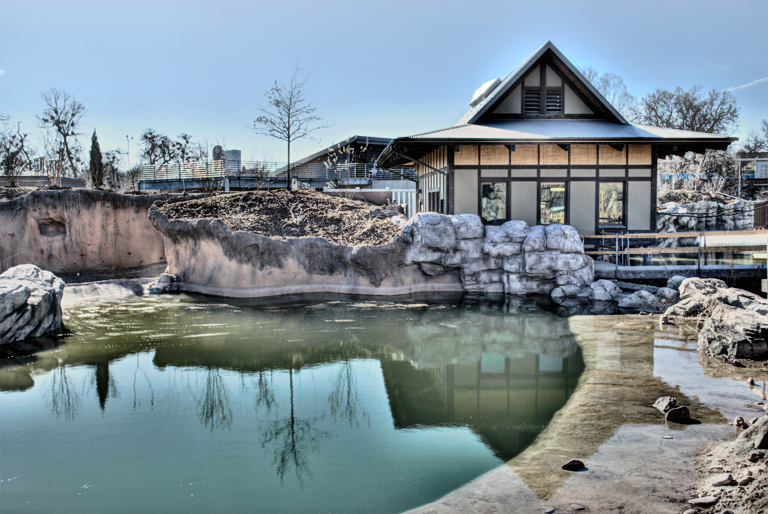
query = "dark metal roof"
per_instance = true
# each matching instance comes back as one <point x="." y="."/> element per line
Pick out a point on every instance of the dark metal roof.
<point x="361" y="140"/>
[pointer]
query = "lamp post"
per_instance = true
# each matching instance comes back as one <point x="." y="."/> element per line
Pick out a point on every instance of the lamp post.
<point x="128" y="143"/>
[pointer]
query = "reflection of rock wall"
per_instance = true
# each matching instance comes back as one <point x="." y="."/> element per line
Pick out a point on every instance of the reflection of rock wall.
<point x="432" y="253"/>
<point x="67" y="231"/>
<point x="453" y="342"/>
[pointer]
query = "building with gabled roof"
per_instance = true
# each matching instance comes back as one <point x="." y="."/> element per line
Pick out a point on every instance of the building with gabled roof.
<point x="544" y="146"/>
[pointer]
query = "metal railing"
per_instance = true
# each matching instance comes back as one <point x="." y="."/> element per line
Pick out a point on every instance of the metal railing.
<point x="315" y="171"/>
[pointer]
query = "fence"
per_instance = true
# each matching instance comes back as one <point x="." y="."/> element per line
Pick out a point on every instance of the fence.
<point x="621" y="249"/>
<point x="340" y="174"/>
<point x="761" y="214"/>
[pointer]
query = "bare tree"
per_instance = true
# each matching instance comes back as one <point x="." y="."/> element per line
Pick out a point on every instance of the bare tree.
<point x="15" y="153"/>
<point x="714" y="113"/>
<point x="61" y="117"/>
<point x="613" y="89"/>
<point x="757" y="141"/>
<point x="158" y="148"/>
<point x="288" y="115"/>
<point x="112" y="174"/>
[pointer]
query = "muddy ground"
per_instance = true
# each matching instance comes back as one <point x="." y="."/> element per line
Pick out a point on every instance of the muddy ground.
<point x="281" y="214"/>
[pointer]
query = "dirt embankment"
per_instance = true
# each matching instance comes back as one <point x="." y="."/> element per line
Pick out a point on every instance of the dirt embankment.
<point x="283" y="214"/>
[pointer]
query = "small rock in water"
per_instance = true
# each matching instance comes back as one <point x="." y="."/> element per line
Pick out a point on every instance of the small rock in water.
<point x="721" y="480"/>
<point x="576" y="506"/>
<point x="751" y="381"/>
<point x="549" y="510"/>
<point x="677" y="414"/>
<point x="739" y="422"/>
<point x="573" y="465"/>
<point x="704" y="501"/>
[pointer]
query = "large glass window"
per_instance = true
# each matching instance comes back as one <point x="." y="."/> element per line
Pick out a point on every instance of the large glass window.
<point x="611" y="203"/>
<point x="494" y="203"/>
<point x="552" y="203"/>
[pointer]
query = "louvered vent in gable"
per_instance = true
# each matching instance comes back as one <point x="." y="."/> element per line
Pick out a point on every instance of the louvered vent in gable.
<point x="531" y="100"/>
<point x="554" y="101"/>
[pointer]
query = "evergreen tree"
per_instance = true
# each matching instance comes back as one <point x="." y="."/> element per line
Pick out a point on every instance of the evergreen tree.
<point x="96" y="170"/>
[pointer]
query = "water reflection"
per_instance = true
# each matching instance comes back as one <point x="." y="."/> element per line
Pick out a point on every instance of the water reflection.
<point x="64" y="399"/>
<point x="292" y="440"/>
<point x="298" y="382"/>
<point x="214" y="407"/>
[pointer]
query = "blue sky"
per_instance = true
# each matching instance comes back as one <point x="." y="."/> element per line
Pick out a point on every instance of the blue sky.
<point x="375" y="68"/>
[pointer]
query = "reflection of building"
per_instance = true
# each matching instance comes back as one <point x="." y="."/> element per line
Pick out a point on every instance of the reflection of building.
<point x="554" y="149"/>
<point x="506" y="401"/>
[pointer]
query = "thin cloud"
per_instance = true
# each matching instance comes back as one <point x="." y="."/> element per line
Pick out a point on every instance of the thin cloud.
<point x="2" y="71"/>
<point x="758" y="81"/>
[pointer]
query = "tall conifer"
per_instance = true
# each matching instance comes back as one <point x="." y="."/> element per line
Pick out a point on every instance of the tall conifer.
<point x="96" y="169"/>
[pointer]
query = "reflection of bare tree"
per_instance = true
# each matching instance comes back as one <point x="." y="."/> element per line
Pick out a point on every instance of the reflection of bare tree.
<point x="136" y="401"/>
<point x="64" y="398"/>
<point x="266" y="396"/>
<point x="343" y="399"/>
<point x="293" y="440"/>
<point x="213" y="407"/>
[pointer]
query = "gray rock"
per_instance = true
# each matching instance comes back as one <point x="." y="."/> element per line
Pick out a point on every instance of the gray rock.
<point x="563" y="238"/>
<point x="700" y="286"/>
<point x="691" y="511"/>
<point x="720" y="480"/>
<point x="573" y="465"/>
<point x="739" y="422"/>
<point x="550" y="510"/>
<point x="678" y="414"/>
<point x="30" y="303"/>
<point x="604" y="291"/>
<point x="674" y="282"/>
<point x="467" y="226"/>
<point x="576" y="506"/>
<point x="565" y="292"/>
<point x="667" y="295"/>
<point x="641" y="300"/>
<point x="703" y="501"/>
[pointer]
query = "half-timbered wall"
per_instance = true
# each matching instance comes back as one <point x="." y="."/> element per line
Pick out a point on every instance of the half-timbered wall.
<point x="629" y="170"/>
<point x="432" y="181"/>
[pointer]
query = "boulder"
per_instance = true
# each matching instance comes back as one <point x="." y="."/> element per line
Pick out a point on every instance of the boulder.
<point x="674" y="282"/>
<point x="604" y="291"/>
<point x="565" y="292"/>
<point x="700" y="286"/>
<point x="30" y="303"/>
<point x="642" y="301"/>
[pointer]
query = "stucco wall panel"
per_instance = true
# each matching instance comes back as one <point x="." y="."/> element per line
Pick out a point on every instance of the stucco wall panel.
<point x="79" y="230"/>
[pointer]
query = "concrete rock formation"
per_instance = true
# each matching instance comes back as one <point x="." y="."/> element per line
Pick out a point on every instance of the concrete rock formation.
<point x="30" y="303"/>
<point x="704" y="215"/>
<point x="735" y="321"/>
<point x="77" y="230"/>
<point x="433" y="252"/>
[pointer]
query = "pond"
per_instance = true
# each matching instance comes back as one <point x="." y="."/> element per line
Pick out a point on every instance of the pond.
<point x="192" y="404"/>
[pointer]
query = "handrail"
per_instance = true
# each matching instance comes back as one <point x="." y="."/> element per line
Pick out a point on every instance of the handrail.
<point x="664" y="235"/>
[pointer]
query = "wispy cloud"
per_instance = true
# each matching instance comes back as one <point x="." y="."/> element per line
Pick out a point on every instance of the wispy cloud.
<point x="2" y="71"/>
<point x="758" y="81"/>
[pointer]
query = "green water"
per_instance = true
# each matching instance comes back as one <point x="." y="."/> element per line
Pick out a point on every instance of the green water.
<point x="188" y="404"/>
